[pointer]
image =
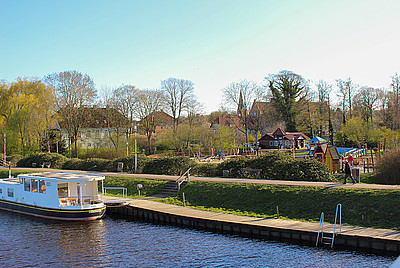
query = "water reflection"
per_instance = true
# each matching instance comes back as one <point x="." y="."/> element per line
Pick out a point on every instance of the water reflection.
<point x="33" y="242"/>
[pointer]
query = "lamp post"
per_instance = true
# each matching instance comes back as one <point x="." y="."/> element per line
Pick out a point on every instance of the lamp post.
<point x="5" y="149"/>
<point x="135" y="128"/>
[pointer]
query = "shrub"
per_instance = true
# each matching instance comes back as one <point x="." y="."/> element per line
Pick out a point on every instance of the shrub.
<point x="129" y="163"/>
<point x="233" y="165"/>
<point x="73" y="164"/>
<point x="389" y="169"/>
<point x="14" y="158"/>
<point x="206" y="170"/>
<point x="175" y="165"/>
<point x="56" y="160"/>
<point x="95" y="164"/>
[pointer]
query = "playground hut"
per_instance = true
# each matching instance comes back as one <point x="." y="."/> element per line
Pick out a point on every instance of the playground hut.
<point x="327" y="154"/>
<point x="331" y="157"/>
<point x="319" y="153"/>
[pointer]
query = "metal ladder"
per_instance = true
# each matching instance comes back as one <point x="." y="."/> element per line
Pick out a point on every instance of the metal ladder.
<point x="328" y="238"/>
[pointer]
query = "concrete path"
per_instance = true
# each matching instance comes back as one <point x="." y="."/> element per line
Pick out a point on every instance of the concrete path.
<point x="231" y="180"/>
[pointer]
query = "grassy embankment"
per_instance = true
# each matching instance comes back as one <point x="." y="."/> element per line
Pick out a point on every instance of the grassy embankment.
<point x="369" y="208"/>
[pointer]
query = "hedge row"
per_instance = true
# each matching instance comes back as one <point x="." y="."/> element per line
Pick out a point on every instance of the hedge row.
<point x="275" y="165"/>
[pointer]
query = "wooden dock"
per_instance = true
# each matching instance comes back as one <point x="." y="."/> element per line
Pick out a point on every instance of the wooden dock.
<point x="379" y="241"/>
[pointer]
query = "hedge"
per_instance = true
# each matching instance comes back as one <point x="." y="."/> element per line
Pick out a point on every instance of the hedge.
<point x="274" y="166"/>
<point x="56" y="160"/>
<point x="175" y="165"/>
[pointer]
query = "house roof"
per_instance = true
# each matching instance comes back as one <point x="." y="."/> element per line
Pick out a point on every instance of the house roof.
<point x="279" y="132"/>
<point x="285" y="135"/>
<point x="227" y="121"/>
<point x="95" y="117"/>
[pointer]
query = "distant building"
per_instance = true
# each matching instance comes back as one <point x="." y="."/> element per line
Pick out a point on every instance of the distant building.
<point x="281" y="139"/>
<point x="226" y="121"/>
<point x="101" y="128"/>
<point x="162" y="121"/>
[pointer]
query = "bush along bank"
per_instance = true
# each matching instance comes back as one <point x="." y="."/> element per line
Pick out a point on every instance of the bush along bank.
<point x="360" y="207"/>
<point x="275" y="166"/>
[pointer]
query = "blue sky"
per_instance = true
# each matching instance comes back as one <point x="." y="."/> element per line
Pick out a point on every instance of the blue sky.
<point x="211" y="43"/>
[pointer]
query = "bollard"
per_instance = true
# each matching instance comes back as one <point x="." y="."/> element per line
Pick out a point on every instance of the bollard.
<point x="183" y="197"/>
<point x="277" y="211"/>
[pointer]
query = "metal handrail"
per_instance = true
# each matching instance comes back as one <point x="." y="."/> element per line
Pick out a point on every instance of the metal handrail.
<point x="124" y="190"/>
<point x="182" y="178"/>
<point x="321" y="227"/>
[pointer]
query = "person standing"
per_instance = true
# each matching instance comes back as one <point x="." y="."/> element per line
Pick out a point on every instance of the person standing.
<point x="347" y="172"/>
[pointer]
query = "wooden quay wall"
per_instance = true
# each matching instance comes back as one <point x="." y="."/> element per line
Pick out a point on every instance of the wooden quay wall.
<point x="377" y="241"/>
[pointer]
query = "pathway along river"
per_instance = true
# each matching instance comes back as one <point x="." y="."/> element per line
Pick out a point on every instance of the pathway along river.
<point x="31" y="242"/>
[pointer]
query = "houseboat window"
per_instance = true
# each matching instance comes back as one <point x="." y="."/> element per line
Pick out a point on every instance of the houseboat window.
<point x="27" y="184"/>
<point x="1" y="191"/>
<point x="34" y="185"/>
<point x="62" y="189"/>
<point x="10" y="192"/>
<point x="42" y="187"/>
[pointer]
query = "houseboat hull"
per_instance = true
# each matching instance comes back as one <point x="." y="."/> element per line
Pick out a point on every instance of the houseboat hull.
<point x="53" y="213"/>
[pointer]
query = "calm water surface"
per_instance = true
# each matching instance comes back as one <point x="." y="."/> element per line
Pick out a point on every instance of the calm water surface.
<point x="31" y="242"/>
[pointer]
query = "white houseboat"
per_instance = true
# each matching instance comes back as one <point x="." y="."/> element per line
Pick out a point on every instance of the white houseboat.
<point x="54" y="195"/>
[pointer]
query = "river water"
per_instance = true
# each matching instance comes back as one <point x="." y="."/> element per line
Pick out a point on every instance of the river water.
<point x="32" y="242"/>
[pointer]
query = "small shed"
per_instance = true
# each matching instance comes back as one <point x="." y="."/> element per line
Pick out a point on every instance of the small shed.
<point x="319" y="152"/>
<point x="331" y="158"/>
<point x="329" y="155"/>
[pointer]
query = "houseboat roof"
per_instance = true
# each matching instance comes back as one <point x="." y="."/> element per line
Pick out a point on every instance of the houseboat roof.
<point x="63" y="176"/>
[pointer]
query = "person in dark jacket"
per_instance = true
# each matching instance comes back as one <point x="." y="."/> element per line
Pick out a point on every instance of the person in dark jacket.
<point x="347" y="172"/>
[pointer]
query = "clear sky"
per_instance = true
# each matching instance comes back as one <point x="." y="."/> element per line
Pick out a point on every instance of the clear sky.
<point x="210" y="42"/>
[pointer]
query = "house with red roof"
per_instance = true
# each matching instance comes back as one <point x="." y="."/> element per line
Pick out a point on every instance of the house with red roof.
<point x="281" y="139"/>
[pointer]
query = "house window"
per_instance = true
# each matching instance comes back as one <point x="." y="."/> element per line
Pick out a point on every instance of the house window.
<point x="275" y="143"/>
<point x="271" y="143"/>
<point x="10" y="192"/>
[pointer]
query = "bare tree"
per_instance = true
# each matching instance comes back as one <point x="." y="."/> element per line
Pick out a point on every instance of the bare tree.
<point x="73" y="91"/>
<point x="367" y="99"/>
<point x="149" y="103"/>
<point x="125" y="100"/>
<point x="347" y="90"/>
<point x="178" y="92"/>
<point x="242" y="94"/>
<point x="324" y="91"/>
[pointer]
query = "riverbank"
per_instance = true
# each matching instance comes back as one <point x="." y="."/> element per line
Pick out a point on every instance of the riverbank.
<point x="378" y="241"/>
<point x="360" y="207"/>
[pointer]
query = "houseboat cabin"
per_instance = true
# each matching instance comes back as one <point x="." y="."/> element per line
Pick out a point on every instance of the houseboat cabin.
<point x="53" y="195"/>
